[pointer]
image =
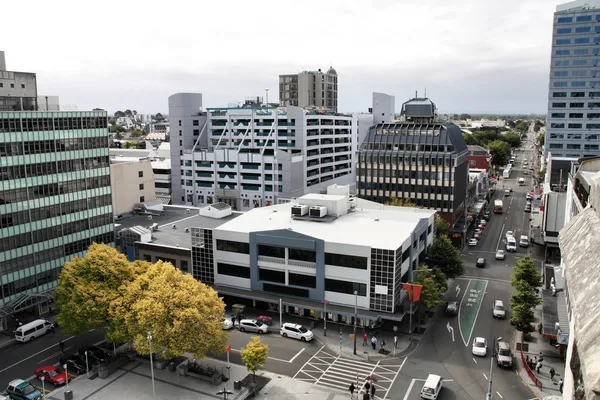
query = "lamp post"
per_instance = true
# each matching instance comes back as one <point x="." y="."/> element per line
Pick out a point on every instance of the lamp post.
<point x="43" y="387"/>
<point x="66" y="375"/>
<point x="325" y="302"/>
<point x="87" y="367"/>
<point x="355" y="317"/>
<point x="489" y="393"/>
<point x="151" y="364"/>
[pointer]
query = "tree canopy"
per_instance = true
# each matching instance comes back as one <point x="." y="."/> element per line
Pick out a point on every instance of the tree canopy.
<point x="254" y="355"/>
<point x="446" y="257"/>
<point x="137" y="133"/>
<point x="525" y="270"/>
<point x="398" y="202"/>
<point x="434" y="285"/>
<point x="442" y="227"/>
<point x="500" y="151"/>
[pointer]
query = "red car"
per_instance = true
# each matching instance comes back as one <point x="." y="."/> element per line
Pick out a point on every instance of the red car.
<point x="52" y="374"/>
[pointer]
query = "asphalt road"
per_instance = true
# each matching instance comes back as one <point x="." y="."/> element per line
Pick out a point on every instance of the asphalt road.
<point x="445" y="349"/>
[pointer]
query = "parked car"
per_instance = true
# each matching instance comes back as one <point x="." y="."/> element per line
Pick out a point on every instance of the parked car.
<point x="96" y="353"/>
<point x="451" y="308"/>
<point x="296" y="331"/>
<point x="478" y="231"/>
<point x="227" y="324"/>
<point x="480" y="263"/>
<point x="265" y="319"/>
<point x="473" y="242"/>
<point x="500" y="255"/>
<point x="477" y="235"/>
<point x="483" y="222"/>
<point x="52" y="374"/>
<point x="74" y="364"/>
<point x="19" y="389"/>
<point x="479" y="347"/>
<point x="252" y="325"/>
<point x="487" y="215"/>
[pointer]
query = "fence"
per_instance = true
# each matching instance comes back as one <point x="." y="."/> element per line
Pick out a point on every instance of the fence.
<point x="531" y="374"/>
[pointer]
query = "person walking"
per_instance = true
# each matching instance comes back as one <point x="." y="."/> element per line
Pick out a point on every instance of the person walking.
<point x="538" y="367"/>
<point x="365" y="338"/>
<point x="233" y="320"/>
<point x="395" y="341"/>
<point x="552" y="374"/>
<point x="383" y="344"/>
<point x="560" y="385"/>
<point x="351" y="390"/>
<point x="374" y="342"/>
<point x="62" y="346"/>
<point x="372" y="391"/>
<point x="52" y="329"/>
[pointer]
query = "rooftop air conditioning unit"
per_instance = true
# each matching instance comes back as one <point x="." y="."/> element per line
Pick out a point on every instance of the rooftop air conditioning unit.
<point x="317" y="211"/>
<point x="299" y="210"/>
<point x="352" y="203"/>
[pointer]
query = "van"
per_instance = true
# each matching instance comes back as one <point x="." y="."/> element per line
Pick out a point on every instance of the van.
<point x="511" y="244"/>
<point x="524" y="241"/>
<point x="498" y="311"/>
<point x="521" y="181"/>
<point x="32" y="330"/>
<point x="432" y="387"/>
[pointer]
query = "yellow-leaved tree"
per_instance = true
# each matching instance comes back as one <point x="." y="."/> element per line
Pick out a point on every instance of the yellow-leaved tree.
<point x="254" y="355"/>
<point x="87" y="286"/>
<point x="183" y="314"/>
<point x="398" y="202"/>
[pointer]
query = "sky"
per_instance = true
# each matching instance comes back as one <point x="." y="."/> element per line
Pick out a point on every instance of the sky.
<point x="472" y="56"/>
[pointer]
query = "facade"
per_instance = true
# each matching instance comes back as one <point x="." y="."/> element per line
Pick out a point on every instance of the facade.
<point x="573" y="119"/>
<point x="479" y="158"/>
<point x="579" y="187"/>
<point x="132" y="182"/>
<point x="384" y="108"/>
<point x="18" y="90"/>
<point x="55" y="198"/>
<point x="315" y="249"/>
<point x="251" y="156"/>
<point x="309" y="89"/>
<point x="419" y="159"/>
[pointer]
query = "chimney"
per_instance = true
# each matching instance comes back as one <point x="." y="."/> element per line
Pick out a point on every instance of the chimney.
<point x="2" y="61"/>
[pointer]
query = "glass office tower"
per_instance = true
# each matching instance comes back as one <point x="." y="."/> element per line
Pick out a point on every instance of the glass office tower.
<point x="55" y="200"/>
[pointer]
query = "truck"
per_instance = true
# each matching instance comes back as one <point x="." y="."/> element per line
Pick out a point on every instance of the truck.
<point x="498" y="207"/>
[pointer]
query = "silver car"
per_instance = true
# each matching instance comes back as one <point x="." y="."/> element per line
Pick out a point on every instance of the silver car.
<point x="252" y="325"/>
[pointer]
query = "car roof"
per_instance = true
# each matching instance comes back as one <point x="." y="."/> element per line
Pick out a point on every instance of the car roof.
<point x="481" y="259"/>
<point x="248" y="320"/>
<point x="17" y="382"/>
<point x="500" y="251"/>
<point x="292" y="325"/>
<point x="480" y="339"/>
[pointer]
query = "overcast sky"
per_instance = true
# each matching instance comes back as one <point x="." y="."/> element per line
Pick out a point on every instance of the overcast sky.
<point x="473" y="56"/>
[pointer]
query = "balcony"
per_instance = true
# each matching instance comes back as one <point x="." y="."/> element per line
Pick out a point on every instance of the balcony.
<point x="228" y="176"/>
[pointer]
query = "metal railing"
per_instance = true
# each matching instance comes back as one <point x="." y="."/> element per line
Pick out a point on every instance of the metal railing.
<point x="531" y="374"/>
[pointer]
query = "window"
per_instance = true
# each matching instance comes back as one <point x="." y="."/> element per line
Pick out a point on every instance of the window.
<point x="577" y="94"/>
<point x="1" y="84"/>
<point x="12" y="85"/>
<point x="560" y="84"/>
<point x="233" y="270"/>
<point x="22" y="86"/>
<point x="334" y="285"/>
<point x="268" y="287"/>
<point x="559" y="105"/>
<point x="563" y="31"/>
<point x="141" y="186"/>
<point x="195" y="122"/>
<point x="574" y="126"/>
<point x="179" y="122"/>
<point x="302" y="255"/>
<point x="578" y="84"/>
<point x="583" y="29"/>
<point x="559" y="94"/>
<point x="593" y="105"/>
<point x="140" y="174"/>
<point x="563" y="41"/>
<point x="271" y="275"/>
<point x="581" y="52"/>
<point x="557" y="115"/>
<point x="302" y="280"/>
<point x="233" y="247"/>
<point x="577" y="62"/>
<point x="557" y="125"/>
<point x="582" y="18"/>
<point x="564" y="20"/>
<point x="584" y="40"/>
<point x="344" y="260"/>
<point x="271" y="251"/>
<point x="142" y="199"/>
<point x="561" y="73"/>
<point x="556" y="146"/>
<point x="573" y="146"/>
<point x="575" y="115"/>
<point x="562" y="52"/>
<point x="593" y="115"/>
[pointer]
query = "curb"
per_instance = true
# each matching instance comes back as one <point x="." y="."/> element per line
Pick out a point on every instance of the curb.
<point x="8" y="343"/>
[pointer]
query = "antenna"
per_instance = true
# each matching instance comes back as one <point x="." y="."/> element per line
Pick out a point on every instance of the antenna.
<point x="425" y="91"/>
<point x="416" y="94"/>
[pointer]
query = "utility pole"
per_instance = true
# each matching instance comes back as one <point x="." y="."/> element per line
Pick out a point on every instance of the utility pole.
<point x="355" y="317"/>
<point x="489" y="393"/>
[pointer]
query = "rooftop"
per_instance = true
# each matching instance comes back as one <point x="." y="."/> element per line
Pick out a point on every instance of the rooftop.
<point x="371" y="224"/>
<point x="477" y="150"/>
<point x="555" y="211"/>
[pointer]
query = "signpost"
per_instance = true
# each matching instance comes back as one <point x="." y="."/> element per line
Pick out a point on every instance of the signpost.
<point x="414" y="294"/>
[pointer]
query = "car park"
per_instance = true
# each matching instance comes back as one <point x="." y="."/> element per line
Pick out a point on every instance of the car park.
<point x="19" y="389"/>
<point x="500" y="255"/>
<point x="52" y="374"/>
<point x="296" y="331"/>
<point x="227" y="324"/>
<point x="451" y="308"/>
<point x="473" y="242"/>
<point x="252" y="325"/>
<point x="74" y="363"/>
<point x="480" y="263"/>
<point x="479" y="347"/>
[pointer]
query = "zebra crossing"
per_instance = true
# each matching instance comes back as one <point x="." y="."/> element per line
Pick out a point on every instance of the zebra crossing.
<point x="335" y="372"/>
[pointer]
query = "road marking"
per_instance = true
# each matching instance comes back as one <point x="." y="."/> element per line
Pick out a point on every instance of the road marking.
<point x="500" y="238"/>
<point x="474" y="360"/>
<point x="307" y="362"/>
<point x="270" y="358"/>
<point x="475" y="296"/>
<point x="328" y="368"/>
<point x="485" y="377"/>
<point x="499" y="395"/>
<point x="412" y="383"/>
<point x="52" y="356"/>
<point x="297" y="354"/>
<point x="457" y="290"/>
<point x="33" y="355"/>
<point x="395" y="376"/>
<point x="450" y="330"/>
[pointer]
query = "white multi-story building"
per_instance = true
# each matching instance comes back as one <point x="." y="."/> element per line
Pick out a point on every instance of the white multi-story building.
<point x="252" y="156"/>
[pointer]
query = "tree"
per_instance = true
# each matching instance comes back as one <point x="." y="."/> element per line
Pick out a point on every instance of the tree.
<point x="137" y="133"/>
<point x="119" y="114"/>
<point x="130" y="145"/>
<point x="116" y="128"/>
<point x="158" y="117"/>
<point x="397" y="202"/>
<point x="500" y="151"/>
<point x="445" y="256"/>
<point x="128" y="113"/>
<point x="525" y="296"/>
<point x="540" y="139"/>
<point x="464" y="116"/>
<point x="522" y="318"/>
<point x="118" y="135"/>
<point x="442" y="227"/>
<point x="433" y="287"/>
<point x="512" y="139"/>
<point x="522" y="126"/>
<point x="87" y="286"/>
<point x="525" y="271"/>
<point x="254" y="355"/>
<point x="183" y="314"/>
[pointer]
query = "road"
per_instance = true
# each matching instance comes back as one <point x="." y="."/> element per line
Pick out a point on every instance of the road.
<point x="446" y="347"/>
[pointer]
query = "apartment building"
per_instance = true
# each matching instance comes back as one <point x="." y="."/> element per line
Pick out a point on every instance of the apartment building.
<point x="132" y="182"/>
<point x="419" y="159"/>
<point x="253" y="156"/>
<point x="573" y="119"/>
<point x="309" y="89"/>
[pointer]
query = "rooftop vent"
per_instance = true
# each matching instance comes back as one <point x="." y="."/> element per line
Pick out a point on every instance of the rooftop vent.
<point x="299" y="210"/>
<point x="317" y="211"/>
<point x="187" y="229"/>
<point x="174" y="226"/>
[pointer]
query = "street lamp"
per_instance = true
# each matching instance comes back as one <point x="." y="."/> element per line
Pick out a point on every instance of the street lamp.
<point x="87" y="367"/>
<point x="355" y="317"/>
<point x="489" y="393"/>
<point x="43" y="386"/>
<point x="325" y="302"/>
<point x="66" y="375"/>
<point x="151" y="364"/>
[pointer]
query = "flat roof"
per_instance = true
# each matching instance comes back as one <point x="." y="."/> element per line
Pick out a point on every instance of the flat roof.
<point x="371" y="224"/>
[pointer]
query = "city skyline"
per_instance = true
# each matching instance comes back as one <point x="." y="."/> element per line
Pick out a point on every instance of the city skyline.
<point x="473" y="57"/>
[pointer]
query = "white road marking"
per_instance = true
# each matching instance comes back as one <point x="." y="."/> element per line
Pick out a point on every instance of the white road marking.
<point x="478" y="309"/>
<point x="412" y="383"/>
<point x="33" y="355"/>
<point x="485" y="377"/>
<point x="52" y="356"/>
<point x="395" y="376"/>
<point x="460" y="308"/>
<point x="457" y="290"/>
<point x="499" y="395"/>
<point x="500" y="238"/>
<point x="270" y="358"/>
<point x="450" y="330"/>
<point x="296" y="356"/>
<point x="307" y="362"/>
<point x="474" y="360"/>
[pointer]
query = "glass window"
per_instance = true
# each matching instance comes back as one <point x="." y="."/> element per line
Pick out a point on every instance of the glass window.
<point x="556" y="146"/>
<point x="233" y="270"/>
<point x="559" y="94"/>
<point x="562" y="52"/>
<point x="302" y="255"/>
<point x="271" y="275"/>
<point x="563" y="31"/>
<point x="578" y="62"/>
<point x="577" y="94"/>
<point x="557" y="115"/>
<point x="271" y="251"/>
<point x="578" y="84"/>
<point x="561" y="73"/>
<point x="560" y="84"/>
<point x="563" y="41"/>
<point x="584" y="40"/>
<point x="302" y="280"/>
<point x="233" y="247"/>
<point x="581" y="52"/>
<point x="347" y="287"/>
<point x="344" y="260"/>
<point x="583" y="29"/>
<point x="576" y="105"/>
<point x="559" y="105"/>
<point x="564" y="20"/>
<point x="584" y="18"/>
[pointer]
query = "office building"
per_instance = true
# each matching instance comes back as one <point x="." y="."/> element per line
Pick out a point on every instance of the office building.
<point x="55" y="197"/>
<point x="419" y="159"/>
<point x="252" y="155"/>
<point x="573" y="119"/>
<point x="18" y="90"/>
<point x="309" y="89"/>
<point x="132" y="182"/>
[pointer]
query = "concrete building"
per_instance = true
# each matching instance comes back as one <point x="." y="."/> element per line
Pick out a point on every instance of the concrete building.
<point x="384" y="108"/>
<point x="580" y="183"/>
<point x="48" y="103"/>
<point x="420" y="159"/>
<point x="315" y="249"/>
<point x="573" y="119"/>
<point x="309" y="89"/>
<point x="18" y="90"/>
<point x="132" y="182"/>
<point x="254" y="156"/>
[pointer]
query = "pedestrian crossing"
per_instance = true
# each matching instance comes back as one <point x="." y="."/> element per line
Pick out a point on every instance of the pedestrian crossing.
<point x="336" y="372"/>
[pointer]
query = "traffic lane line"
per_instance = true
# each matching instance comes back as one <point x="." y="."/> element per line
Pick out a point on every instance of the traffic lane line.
<point x="34" y="355"/>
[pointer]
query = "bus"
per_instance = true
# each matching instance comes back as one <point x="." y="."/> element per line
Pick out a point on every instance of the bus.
<point x="498" y="207"/>
<point x="506" y="172"/>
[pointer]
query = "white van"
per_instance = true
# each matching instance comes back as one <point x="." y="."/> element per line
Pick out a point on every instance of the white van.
<point x="32" y="330"/>
<point x="521" y="181"/>
<point x="432" y="387"/>
<point x="511" y="244"/>
<point x="524" y="241"/>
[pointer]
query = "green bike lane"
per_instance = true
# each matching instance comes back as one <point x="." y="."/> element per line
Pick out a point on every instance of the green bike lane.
<point x="469" y="307"/>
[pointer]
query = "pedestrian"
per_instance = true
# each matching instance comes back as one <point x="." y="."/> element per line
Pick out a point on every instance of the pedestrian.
<point x="395" y="341"/>
<point x="49" y="310"/>
<point x="374" y="342"/>
<point x="233" y="321"/>
<point x="383" y="344"/>
<point x="365" y="338"/>
<point x="373" y="391"/>
<point x="538" y="367"/>
<point x="365" y="396"/>
<point x="351" y="390"/>
<point x="552" y="374"/>
<point x="560" y="385"/>
<point x="367" y="386"/>
<point x="527" y="360"/>
<point x="62" y="346"/>
<point x="52" y="329"/>
<point x="541" y="357"/>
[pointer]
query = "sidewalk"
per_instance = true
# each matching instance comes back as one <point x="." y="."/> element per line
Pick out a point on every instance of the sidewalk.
<point x="551" y="359"/>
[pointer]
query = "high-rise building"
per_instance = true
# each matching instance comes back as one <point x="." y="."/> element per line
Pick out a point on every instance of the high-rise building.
<point x="18" y="90"/>
<point x="309" y="89"/>
<point x="419" y="159"/>
<point x="55" y="195"/>
<point x="573" y="119"/>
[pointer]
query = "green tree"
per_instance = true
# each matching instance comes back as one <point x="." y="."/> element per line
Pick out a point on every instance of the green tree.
<point x="445" y="256"/>
<point x="525" y="296"/>
<point x="397" y="202"/>
<point x="442" y="227"/>
<point x="471" y="139"/>
<point x="158" y="117"/>
<point x="512" y="139"/>
<point x="434" y="284"/>
<point x="522" y="318"/>
<point x="87" y="286"/>
<point x="119" y="114"/>
<point x="500" y="151"/>
<point x="522" y="126"/>
<point x="525" y="270"/>
<point x="540" y="139"/>
<point x="183" y="314"/>
<point x="465" y="116"/>
<point x="130" y="145"/>
<point x="119" y="136"/>
<point x="137" y="133"/>
<point x="116" y="128"/>
<point x="254" y="355"/>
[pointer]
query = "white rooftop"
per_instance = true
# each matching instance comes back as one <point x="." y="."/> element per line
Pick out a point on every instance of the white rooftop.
<point x="371" y="224"/>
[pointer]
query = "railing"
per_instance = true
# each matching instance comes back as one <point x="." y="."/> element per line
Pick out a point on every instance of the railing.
<point x="275" y="260"/>
<point x="534" y="378"/>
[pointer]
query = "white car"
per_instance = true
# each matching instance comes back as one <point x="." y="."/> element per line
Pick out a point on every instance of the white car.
<point x="227" y="324"/>
<point x="479" y="347"/>
<point x="483" y="222"/>
<point x="473" y="242"/>
<point x="509" y="234"/>
<point x="500" y="255"/>
<point x="296" y="331"/>
<point x="478" y="231"/>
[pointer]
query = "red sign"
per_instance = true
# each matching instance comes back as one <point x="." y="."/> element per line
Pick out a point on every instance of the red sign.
<point x="414" y="291"/>
<point x="228" y="349"/>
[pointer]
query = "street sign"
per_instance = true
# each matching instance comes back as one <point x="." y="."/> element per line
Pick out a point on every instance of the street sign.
<point x="228" y="349"/>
